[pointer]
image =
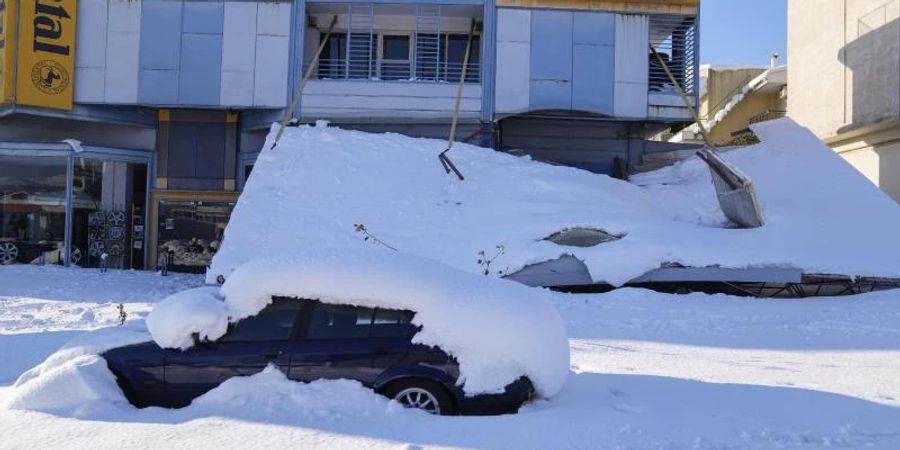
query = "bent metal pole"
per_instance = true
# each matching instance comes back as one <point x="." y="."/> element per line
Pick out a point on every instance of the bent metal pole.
<point x="445" y="160"/>
<point x="312" y="66"/>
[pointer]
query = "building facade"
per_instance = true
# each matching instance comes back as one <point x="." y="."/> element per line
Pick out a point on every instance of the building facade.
<point x="733" y="98"/>
<point x="844" y="81"/>
<point x="137" y="139"/>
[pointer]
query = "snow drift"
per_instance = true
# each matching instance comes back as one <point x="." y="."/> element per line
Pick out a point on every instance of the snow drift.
<point x="497" y="330"/>
<point x="821" y="215"/>
<point x="75" y="380"/>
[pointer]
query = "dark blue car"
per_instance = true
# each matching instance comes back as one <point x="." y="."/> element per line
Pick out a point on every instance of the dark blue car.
<point x="310" y="340"/>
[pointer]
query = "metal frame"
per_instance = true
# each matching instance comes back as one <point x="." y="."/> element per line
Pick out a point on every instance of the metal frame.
<point x="107" y="114"/>
<point x="681" y="45"/>
<point x="296" y="51"/>
<point x="379" y="52"/>
<point x="488" y="62"/>
<point x="88" y="151"/>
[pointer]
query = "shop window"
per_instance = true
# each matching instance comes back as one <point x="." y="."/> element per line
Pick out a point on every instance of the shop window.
<point x="190" y="232"/>
<point x="32" y="209"/>
<point x="107" y="213"/>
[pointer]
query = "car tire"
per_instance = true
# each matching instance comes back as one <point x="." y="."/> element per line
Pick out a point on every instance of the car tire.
<point x="421" y="394"/>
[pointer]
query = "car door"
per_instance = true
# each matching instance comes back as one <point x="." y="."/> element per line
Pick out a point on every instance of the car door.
<point x="390" y="337"/>
<point x="247" y="348"/>
<point x="338" y="344"/>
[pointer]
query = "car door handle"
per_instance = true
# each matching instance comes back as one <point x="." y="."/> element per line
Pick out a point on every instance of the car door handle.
<point x="273" y="355"/>
<point x="381" y="350"/>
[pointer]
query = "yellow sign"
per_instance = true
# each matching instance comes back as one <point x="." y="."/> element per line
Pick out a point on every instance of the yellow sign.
<point x="46" y="62"/>
<point x="7" y="50"/>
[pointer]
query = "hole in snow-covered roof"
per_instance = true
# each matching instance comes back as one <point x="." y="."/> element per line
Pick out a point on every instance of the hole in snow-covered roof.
<point x="582" y="237"/>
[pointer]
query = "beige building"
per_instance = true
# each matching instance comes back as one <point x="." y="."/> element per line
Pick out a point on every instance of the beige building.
<point x="732" y="98"/>
<point x="845" y="81"/>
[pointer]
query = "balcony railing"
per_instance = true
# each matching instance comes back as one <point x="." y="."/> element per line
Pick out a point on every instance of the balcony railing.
<point x="342" y="69"/>
<point x="427" y="43"/>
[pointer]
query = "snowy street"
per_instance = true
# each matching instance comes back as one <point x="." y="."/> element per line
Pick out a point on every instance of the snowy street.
<point x="648" y="371"/>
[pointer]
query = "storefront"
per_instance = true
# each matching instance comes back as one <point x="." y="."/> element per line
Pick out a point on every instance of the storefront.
<point x="189" y="227"/>
<point x="73" y="205"/>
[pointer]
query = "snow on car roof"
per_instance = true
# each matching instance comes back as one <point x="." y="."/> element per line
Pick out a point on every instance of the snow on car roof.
<point x="498" y="330"/>
<point x="311" y="191"/>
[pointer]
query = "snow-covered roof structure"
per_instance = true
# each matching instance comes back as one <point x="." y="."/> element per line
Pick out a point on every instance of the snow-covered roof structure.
<point x="312" y="190"/>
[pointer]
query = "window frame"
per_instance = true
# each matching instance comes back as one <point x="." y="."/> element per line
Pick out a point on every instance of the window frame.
<point x="313" y="304"/>
<point x="472" y="76"/>
<point x="302" y="326"/>
<point x="379" y="53"/>
<point x="292" y="336"/>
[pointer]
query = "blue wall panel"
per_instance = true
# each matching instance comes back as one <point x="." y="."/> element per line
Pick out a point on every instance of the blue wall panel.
<point x="551" y="45"/>
<point x="551" y="60"/>
<point x="572" y="61"/>
<point x="158" y="87"/>
<point x="200" y="79"/>
<point x="550" y="94"/>
<point x="593" y="74"/>
<point x="160" y="37"/>
<point x="204" y="17"/>
<point x="594" y="28"/>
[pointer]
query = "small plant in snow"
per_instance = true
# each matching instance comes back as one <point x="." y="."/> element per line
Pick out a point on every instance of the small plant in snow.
<point x="486" y="262"/>
<point x="123" y="316"/>
<point x="369" y="237"/>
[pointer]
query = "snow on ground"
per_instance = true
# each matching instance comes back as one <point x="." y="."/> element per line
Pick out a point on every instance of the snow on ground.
<point x="46" y="306"/>
<point x="497" y="330"/>
<point x="821" y="214"/>
<point x="649" y="371"/>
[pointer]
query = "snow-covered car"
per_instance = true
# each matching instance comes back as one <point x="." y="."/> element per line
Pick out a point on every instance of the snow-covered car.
<point x="310" y="340"/>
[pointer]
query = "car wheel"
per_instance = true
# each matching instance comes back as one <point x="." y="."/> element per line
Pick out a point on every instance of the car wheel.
<point x="426" y="395"/>
<point x="8" y="252"/>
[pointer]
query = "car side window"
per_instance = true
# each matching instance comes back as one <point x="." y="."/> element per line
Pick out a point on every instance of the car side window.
<point x="393" y="323"/>
<point x="274" y="323"/>
<point x="339" y="322"/>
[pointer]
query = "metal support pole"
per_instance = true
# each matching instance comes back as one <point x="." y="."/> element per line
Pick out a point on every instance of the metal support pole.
<point x="70" y="176"/>
<point x="299" y="91"/>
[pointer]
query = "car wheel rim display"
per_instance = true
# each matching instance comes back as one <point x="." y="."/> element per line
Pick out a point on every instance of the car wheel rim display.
<point x="420" y="399"/>
<point x="75" y="256"/>
<point x="8" y="252"/>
